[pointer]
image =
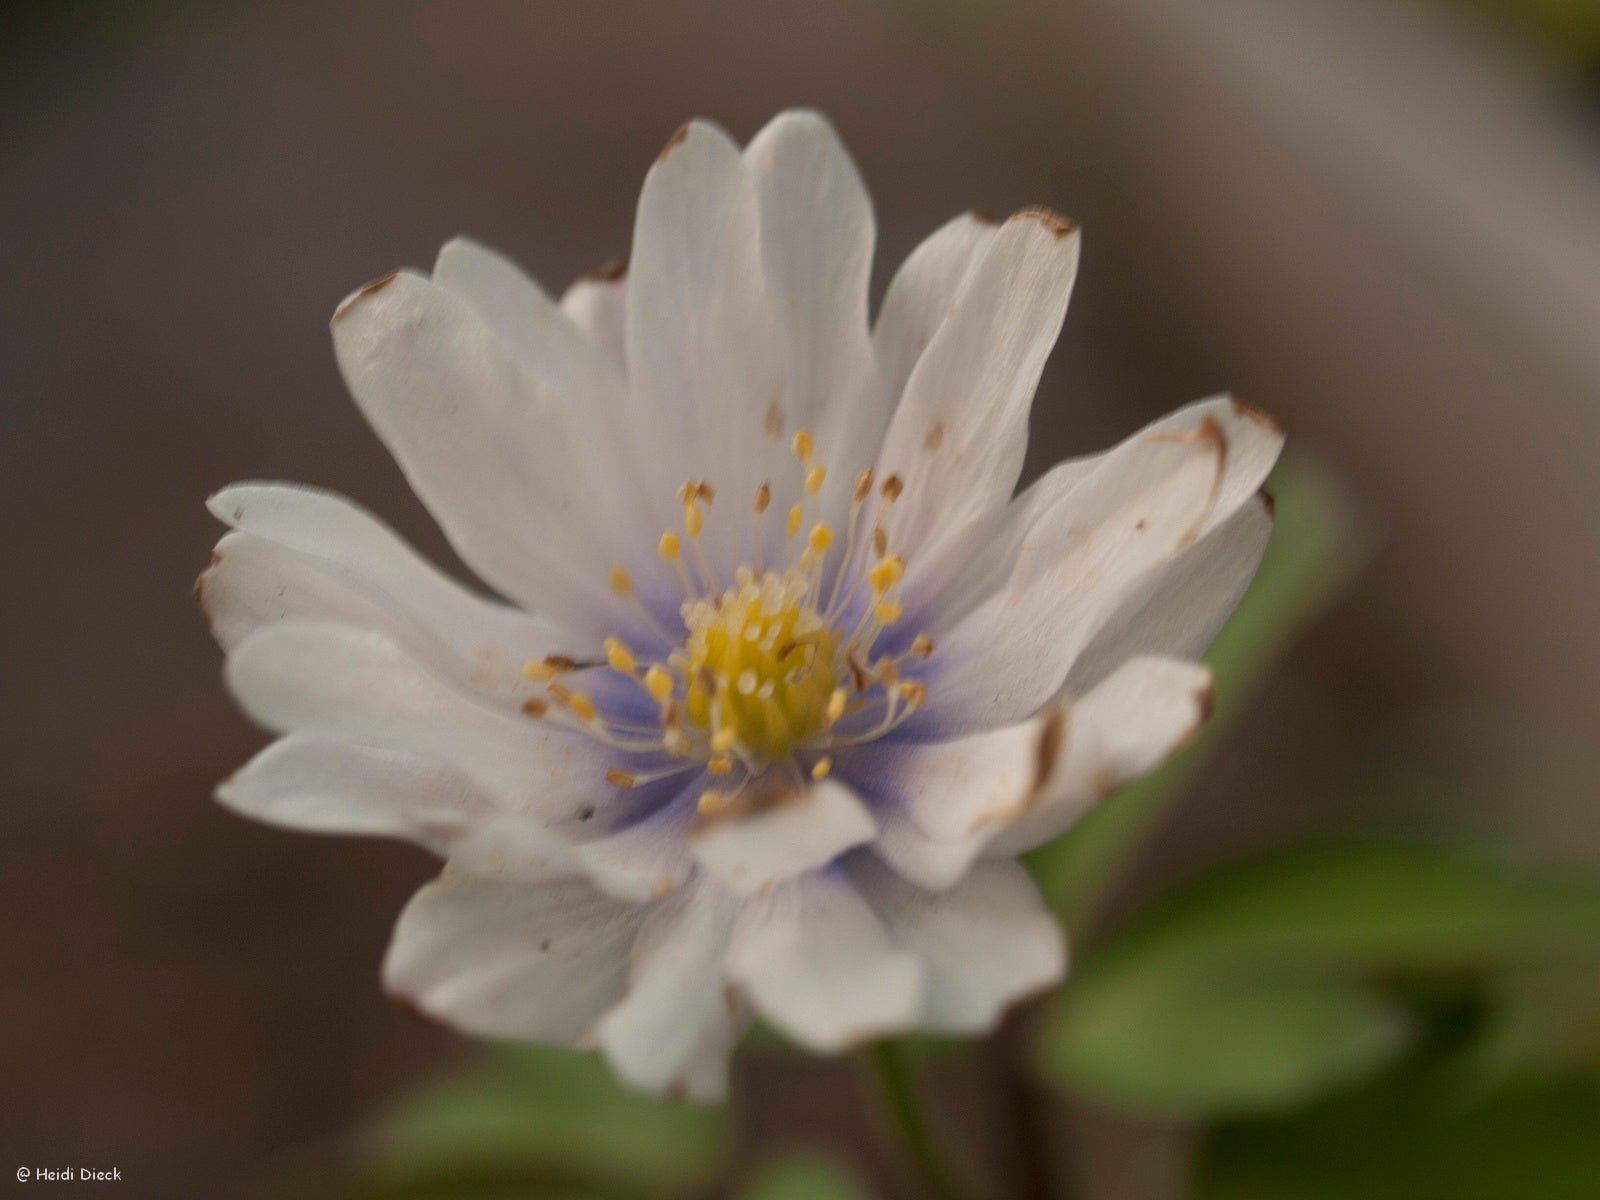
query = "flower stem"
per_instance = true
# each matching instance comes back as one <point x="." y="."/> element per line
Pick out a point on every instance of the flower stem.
<point x="891" y="1071"/>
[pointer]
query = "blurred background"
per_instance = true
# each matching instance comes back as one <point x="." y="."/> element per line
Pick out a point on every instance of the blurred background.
<point x="1379" y="221"/>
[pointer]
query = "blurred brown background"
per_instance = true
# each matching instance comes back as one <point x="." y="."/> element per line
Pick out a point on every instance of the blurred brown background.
<point x="1379" y="221"/>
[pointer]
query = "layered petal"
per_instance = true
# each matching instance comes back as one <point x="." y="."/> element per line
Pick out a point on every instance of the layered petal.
<point x="704" y="355"/>
<point x="677" y="1026"/>
<point x="534" y="961"/>
<point x="958" y="437"/>
<point x="493" y="449"/>
<point x="357" y="685"/>
<point x="318" y="785"/>
<point x="817" y="235"/>
<point x="1146" y="502"/>
<point x="945" y="804"/>
<point x="755" y="851"/>
<point x="985" y="944"/>
<point x="814" y="959"/>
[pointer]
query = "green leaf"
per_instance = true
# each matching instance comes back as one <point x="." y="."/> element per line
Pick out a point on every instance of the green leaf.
<point x="539" y="1114"/>
<point x="1254" y="990"/>
<point x="1409" y="1141"/>
<point x="1314" y="549"/>
<point x="803" y="1177"/>
<point x="1193" y="1045"/>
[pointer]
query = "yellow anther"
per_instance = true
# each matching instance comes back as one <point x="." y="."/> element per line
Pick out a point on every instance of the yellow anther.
<point x="658" y="682"/>
<point x="548" y="667"/>
<point x="814" y="478"/>
<point x="579" y="703"/>
<point x="922" y="646"/>
<point x="763" y="498"/>
<point x="796" y="515"/>
<point x="820" y="768"/>
<point x="686" y="490"/>
<point x="836" y="703"/>
<point x="887" y="612"/>
<point x="670" y="545"/>
<point x="723" y="739"/>
<point x="886" y="572"/>
<point x="821" y="537"/>
<point x="802" y="444"/>
<point x="710" y="802"/>
<point x="621" y="581"/>
<point x="913" y="692"/>
<point x="880" y="541"/>
<point x="692" y="519"/>
<point x="720" y="765"/>
<point x="619" y="656"/>
<point x="620" y="778"/>
<point x="534" y="706"/>
<point x="887" y="670"/>
<point x="893" y="485"/>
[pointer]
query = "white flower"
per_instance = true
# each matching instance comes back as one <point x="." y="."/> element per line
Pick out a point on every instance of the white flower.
<point x="789" y="677"/>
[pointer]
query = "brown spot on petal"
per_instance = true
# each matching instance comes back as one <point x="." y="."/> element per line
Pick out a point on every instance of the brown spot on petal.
<point x="674" y="142"/>
<point x="607" y="272"/>
<point x="772" y="419"/>
<point x="1205" y="701"/>
<point x="361" y="293"/>
<point x="984" y="217"/>
<point x="1259" y="416"/>
<point x="1053" y="221"/>
<point x="935" y="437"/>
<point x="1048" y="750"/>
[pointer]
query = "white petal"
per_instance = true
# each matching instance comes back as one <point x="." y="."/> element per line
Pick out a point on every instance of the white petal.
<point x="252" y="583"/>
<point x="958" y="438"/>
<point x="984" y="945"/>
<point x="817" y="234"/>
<point x="703" y="352"/>
<point x="331" y="528"/>
<point x="1126" y="727"/>
<point x="495" y="453"/>
<point x="676" y="1028"/>
<point x="942" y="805"/>
<point x="923" y="293"/>
<point x="814" y="960"/>
<point x="316" y="785"/>
<point x="647" y="859"/>
<point x="1146" y="502"/>
<point x="1180" y="605"/>
<point x="358" y="685"/>
<point x="597" y="303"/>
<point x="756" y="851"/>
<point x="532" y="961"/>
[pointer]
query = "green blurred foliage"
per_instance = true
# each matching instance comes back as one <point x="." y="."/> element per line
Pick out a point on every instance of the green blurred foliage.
<point x="803" y="1177"/>
<point x="1315" y="548"/>
<point x="538" y="1123"/>
<point x="1266" y="985"/>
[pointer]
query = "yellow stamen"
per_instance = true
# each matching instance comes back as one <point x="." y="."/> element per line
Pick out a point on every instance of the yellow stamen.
<point x="836" y="703"/>
<point x="803" y="444"/>
<point x="621" y="581"/>
<point x="922" y="646"/>
<point x="821" y="537"/>
<point x="619" y="778"/>
<point x="814" y="478"/>
<point x="887" y="612"/>
<point x="763" y="498"/>
<point x="548" y="667"/>
<point x="619" y="656"/>
<point x="820" y="769"/>
<point x="710" y="802"/>
<point x="720" y="765"/>
<point x="913" y="692"/>
<point x="796" y="515"/>
<point x="670" y="545"/>
<point x="723" y="739"/>
<point x="658" y="682"/>
<point x="692" y="519"/>
<point x="863" y="485"/>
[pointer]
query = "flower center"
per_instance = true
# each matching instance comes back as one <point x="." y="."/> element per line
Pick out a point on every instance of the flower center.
<point x="761" y="663"/>
<point x="771" y="672"/>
